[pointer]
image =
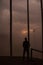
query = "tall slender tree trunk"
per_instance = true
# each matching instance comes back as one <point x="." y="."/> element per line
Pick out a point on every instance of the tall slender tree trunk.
<point x="28" y="17"/>
<point x="10" y="27"/>
<point x="42" y="24"/>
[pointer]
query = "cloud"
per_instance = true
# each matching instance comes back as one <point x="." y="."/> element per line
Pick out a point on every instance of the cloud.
<point x="6" y="14"/>
<point x="6" y="4"/>
<point x="5" y="21"/>
<point x="19" y="10"/>
<point x="35" y="12"/>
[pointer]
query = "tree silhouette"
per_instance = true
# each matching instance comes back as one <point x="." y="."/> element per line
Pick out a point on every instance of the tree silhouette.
<point x="28" y="17"/>
<point x="10" y="27"/>
<point x="42" y="24"/>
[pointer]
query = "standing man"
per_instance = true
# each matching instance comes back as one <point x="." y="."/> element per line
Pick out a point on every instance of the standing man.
<point x="26" y="47"/>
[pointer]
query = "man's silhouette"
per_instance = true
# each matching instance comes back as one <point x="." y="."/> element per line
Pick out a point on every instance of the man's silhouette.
<point x="26" y="46"/>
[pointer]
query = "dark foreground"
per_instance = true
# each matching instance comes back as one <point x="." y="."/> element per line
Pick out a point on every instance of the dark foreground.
<point x="19" y="61"/>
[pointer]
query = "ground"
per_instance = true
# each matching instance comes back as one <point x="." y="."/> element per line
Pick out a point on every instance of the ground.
<point x="19" y="61"/>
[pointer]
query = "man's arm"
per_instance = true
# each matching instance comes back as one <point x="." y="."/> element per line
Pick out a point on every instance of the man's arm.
<point x="28" y="44"/>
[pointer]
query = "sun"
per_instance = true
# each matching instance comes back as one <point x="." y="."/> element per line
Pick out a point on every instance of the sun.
<point x="25" y="31"/>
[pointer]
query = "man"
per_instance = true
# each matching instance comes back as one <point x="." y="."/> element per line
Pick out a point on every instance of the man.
<point x="26" y="46"/>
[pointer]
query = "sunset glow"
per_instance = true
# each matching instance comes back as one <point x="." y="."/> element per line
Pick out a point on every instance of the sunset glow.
<point x="25" y="31"/>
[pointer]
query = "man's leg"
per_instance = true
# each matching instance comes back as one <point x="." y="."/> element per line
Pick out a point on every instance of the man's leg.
<point x="27" y="53"/>
<point x="23" y="53"/>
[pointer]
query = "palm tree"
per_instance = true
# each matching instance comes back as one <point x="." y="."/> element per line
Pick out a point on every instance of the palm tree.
<point x="42" y="25"/>
<point x="10" y="27"/>
<point x="28" y="17"/>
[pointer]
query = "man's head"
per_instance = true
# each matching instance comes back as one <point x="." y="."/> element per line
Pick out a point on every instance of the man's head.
<point x="25" y="38"/>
